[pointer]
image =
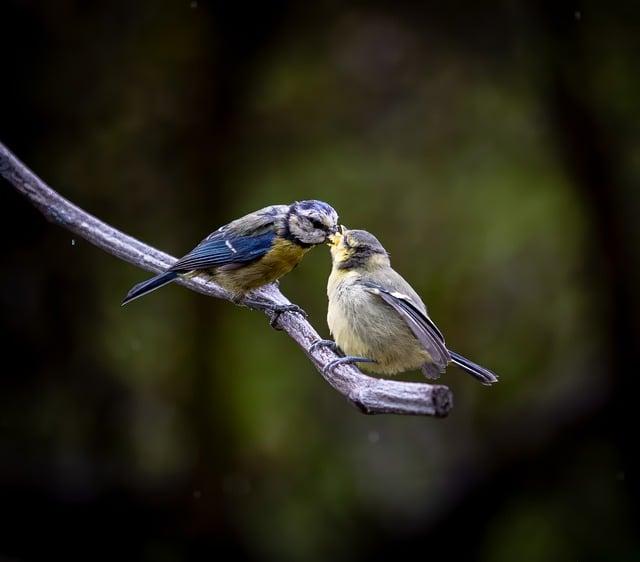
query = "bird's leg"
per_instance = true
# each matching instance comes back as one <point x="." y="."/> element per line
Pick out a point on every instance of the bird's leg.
<point x="333" y="346"/>
<point x="348" y="360"/>
<point x="267" y="306"/>
<point x="274" y="310"/>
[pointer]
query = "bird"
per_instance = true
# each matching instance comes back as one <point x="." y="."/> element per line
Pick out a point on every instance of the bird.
<point x="252" y="251"/>
<point x="378" y="320"/>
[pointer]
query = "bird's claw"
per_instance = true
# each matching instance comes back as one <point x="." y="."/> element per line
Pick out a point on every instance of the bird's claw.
<point x="330" y="344"/>
<point x="278" y="309"/>
<point x="273" y="310"/>
<point x="348" y="360"/>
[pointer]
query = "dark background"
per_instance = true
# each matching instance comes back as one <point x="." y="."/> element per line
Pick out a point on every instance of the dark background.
<point x="494" y="148"/>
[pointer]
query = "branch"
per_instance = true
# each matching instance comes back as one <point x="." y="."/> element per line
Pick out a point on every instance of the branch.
<point x="371" y="395"/>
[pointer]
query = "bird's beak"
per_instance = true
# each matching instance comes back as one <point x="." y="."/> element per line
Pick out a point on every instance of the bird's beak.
<point x="336" y="235"/>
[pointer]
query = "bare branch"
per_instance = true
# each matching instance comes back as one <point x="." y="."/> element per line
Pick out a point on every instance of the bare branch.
<point x="369" y="394"/>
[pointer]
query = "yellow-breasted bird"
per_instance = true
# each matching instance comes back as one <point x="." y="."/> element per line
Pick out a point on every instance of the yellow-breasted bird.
<point x="378" y="320"/>
<point x="253" y="250"/>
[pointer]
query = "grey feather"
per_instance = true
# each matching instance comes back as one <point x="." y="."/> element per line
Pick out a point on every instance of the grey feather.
<point x="419" y="323"/>
<point x="430" y="371"/>
<point x="485" y="376"/>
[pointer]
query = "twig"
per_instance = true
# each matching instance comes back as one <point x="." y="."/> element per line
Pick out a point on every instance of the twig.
<point x="369" y="394"/>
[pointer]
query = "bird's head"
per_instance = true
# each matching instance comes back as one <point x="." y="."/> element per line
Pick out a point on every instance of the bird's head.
<point x="357" y="249"/>
<point x="311" y="222"/>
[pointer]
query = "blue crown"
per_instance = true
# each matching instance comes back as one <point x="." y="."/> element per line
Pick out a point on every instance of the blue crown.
<point x="315" y="204"/>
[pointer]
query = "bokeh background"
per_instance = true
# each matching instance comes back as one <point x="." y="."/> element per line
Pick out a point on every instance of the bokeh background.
<point x="494" y="148"/>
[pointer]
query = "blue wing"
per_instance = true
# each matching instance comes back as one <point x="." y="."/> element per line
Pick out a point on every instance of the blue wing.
<point x="219" y="250"/>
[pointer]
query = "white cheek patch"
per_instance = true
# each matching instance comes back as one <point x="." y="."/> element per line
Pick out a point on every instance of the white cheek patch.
<point x="296" y="230"/>
<point x="230" y="246"/>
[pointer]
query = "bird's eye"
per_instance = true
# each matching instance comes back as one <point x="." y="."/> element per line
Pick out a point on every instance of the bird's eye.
<point x="317" y="224"/>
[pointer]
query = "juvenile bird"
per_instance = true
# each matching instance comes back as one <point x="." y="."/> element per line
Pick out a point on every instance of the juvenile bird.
<point x="253" y="250"/>
<point x="376" y="317"/>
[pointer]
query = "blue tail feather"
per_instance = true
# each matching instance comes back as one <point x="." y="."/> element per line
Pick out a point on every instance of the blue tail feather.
<point x="149" y="285"/>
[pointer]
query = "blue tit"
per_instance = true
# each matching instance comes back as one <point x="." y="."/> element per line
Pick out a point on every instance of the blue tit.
<point x="378" y="320"/>
<point x="253" y="250"/>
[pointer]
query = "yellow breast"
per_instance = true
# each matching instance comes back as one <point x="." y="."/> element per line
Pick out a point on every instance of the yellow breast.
<point x="278" y="261"/>
<point x="284" y="255"/>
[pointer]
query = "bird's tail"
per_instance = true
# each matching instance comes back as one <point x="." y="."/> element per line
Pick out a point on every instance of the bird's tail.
<point x="149" y="285"/>
<point x="485" y="376"/>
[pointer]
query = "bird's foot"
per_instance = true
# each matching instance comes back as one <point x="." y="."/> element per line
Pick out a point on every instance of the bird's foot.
<point x="274" y="310"/>
<point x="277" y="310"/>
<point x="348" y="360"/>
<point x="333" y="346"/>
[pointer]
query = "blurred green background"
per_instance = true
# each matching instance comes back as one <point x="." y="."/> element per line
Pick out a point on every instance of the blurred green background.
<point x="494" y="150"/>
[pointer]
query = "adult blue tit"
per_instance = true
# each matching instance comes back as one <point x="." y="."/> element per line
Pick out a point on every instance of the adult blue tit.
<point x="378" y="320"/>
<point x="253" y="250"/>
